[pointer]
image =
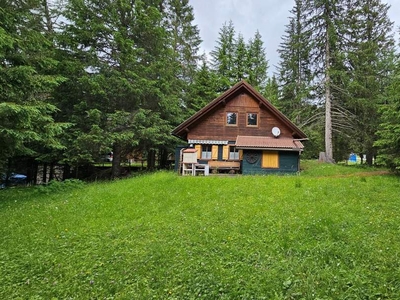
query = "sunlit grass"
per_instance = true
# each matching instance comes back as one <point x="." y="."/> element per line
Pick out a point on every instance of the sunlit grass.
<point x="169" y="237"/>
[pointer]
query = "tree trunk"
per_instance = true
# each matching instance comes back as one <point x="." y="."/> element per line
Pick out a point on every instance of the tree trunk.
<point x="328" y="104"/>
<point x="8" y="172"/>
<point x="116" y="162"/>
<point x="51" y="172"/>
<point x="29" y="171"/>
<point x="66" y="172"/>
<point x="44" y="173"/>
<point x="35" y="172"/>
<point x="151" y="160"/>
<point x="47" y="16"/>
<point x="163" y="158"/>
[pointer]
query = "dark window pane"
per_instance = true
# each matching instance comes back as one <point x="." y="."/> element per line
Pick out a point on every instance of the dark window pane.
<point x="252" y="119"/>
<point x="231" y="118"/>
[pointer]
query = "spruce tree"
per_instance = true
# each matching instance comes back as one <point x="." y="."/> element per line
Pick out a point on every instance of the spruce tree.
<point x="240" y="57"/>
<point x="324" y="21"/>
<point x="233" y="60"/>
<point x="257" y="63"/>
<point x="27" y="78"/>
<point x="121" y="46"/>
<point x="388" y="133"/>
<point x="183" y="39"/>
<point x="222" y="57"/>
<point x="370" y="53"/>
<point x="203" y="88"/>
<point x="295" y="76"/>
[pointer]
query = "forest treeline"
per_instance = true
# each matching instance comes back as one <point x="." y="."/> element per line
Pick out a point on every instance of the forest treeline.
<point x="81" y="78"/>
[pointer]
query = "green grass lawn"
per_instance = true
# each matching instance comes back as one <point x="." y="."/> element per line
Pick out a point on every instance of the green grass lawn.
<point x="332" y="232"/>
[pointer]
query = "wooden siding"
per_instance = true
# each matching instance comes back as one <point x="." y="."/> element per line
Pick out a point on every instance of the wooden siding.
<point x="213" y="125"/>
<point x="288" y="163"/>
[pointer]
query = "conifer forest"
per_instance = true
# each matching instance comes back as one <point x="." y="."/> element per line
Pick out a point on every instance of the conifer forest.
<point x="82" y="78"/>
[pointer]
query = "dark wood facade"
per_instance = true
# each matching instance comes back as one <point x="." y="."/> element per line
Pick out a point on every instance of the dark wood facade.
<point x="242" y="111"/>
<point x="213" y="125"/>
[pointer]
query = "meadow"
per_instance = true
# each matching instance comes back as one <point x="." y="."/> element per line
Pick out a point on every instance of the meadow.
<point x="332" y="232"/>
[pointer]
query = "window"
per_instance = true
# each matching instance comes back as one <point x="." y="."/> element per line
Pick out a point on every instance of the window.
<point x="270" y="159"/>
<point x="231" y="118"/>
<point x="206" y="151"/>
<point x="233" y="153"/>
<point x="252" y="119"/>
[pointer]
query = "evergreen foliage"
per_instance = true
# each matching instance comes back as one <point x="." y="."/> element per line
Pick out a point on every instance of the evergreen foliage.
<point x="27" y="78"/>
<point x="81" y="78"/>
<point x="388" y="134"/>
<point x="337" y="55"/>
<point x="233" y="60"/>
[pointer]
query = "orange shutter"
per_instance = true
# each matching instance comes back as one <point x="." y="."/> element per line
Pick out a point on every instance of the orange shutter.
<point x="225" y="152"/>
<point x="214" y="152"/>
<point x="198" y="148"/>
<point x="270" y="159"/>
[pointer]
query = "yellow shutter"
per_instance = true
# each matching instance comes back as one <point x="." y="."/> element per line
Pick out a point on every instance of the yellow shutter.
<point x="241" y="154"/>
<point x="214" y="152"/>
<point x="225" y="152"/>
<point x="198" y="148"/>
<point x="270" y="159"/>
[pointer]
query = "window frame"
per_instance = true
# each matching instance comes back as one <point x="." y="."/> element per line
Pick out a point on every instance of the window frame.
<point x="227" y="118"/>
<point x="233" y="155"/>
<point x="206" y="151"/>
<point x="247" y="119"/>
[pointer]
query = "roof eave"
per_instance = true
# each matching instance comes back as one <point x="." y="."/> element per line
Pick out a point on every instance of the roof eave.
<point x="269" y="148"/>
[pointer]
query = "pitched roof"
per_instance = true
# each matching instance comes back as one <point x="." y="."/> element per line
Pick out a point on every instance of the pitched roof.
<point x="261" y="142"/>
<point x="181" y="130"/>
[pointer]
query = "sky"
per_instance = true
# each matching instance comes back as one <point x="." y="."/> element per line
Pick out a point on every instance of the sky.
<point x="269" y="17"/>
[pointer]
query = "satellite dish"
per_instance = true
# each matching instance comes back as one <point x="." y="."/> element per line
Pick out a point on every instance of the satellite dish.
<point x="276" y="131"/>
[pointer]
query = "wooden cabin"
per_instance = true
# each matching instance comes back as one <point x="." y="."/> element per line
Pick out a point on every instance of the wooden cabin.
<point x="242" y="132"/>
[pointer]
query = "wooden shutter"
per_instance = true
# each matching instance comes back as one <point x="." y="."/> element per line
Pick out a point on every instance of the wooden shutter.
<point x="270" y="159"/>
<point x="225" y="152"/>
<point x="198" y="148"/>
<point x="214" y="152"/>
<point x="241" y="154"/>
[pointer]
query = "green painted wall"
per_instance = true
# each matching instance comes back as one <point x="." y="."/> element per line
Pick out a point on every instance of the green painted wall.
<point x="288" y="163"/>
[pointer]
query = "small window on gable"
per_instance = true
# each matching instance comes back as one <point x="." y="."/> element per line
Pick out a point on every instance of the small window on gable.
<point x="252" y="119"/>
<point x="231" y="118"/>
